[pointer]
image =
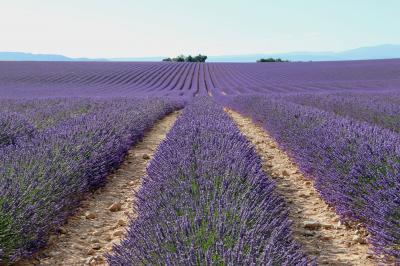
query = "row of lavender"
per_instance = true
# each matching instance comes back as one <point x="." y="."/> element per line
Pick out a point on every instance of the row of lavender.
<point x="21" y="119"/>
<point x="45" y="170"/>
<point x="378" y="108"/>
<point x="206" y="201"/>
<point x="355" y="165"/>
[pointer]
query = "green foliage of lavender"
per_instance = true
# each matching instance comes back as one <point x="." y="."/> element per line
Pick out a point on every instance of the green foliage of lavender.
<point x="206" y="201"/>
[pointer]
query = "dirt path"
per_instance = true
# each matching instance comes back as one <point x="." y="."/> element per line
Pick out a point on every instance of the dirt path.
<point x="102" y="218"/>
<point x="316" y="226"/>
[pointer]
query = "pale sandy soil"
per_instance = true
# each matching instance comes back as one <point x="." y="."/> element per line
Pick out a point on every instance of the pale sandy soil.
<point x="97" y="226"/>
<point x="315" y="224"/>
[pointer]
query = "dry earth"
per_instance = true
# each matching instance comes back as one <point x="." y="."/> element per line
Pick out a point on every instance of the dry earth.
<point x="102" y="218"/>
<point x="315" y="224"/>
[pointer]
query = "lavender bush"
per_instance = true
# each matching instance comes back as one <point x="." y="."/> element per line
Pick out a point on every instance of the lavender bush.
<point x="206" y="201"/>
<point x="356" y="166"/>
<point x="13" y="127"/>
<point x="42" y="179"/>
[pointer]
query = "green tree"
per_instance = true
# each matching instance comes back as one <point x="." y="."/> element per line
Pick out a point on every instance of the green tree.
<point x="271" y="60"/>
<point x="189" y="58"/>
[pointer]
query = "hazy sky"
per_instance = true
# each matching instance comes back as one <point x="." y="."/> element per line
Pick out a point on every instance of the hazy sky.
<point x="123" y="28"/>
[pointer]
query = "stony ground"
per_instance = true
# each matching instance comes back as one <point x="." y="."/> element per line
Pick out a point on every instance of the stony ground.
<point x="102" y="218"/>
<point x="315" y="224"/>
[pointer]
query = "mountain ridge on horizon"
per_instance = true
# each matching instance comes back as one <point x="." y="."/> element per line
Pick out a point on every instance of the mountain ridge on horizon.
<point x="384" y="51"/>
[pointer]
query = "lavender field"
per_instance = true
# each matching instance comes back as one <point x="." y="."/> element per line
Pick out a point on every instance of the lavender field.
<point x="206" y="198"/>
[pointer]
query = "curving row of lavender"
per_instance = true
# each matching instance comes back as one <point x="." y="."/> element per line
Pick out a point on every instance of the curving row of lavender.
<point x="20" y="119"/>
<point x="377" y="108"/>
<point x="206" y="201"/>
<point x="355" y="165"/>
<point x="44" y="174"/>
<point x="46" y="113"/>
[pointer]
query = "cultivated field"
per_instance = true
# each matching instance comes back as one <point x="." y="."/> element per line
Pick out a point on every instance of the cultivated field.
<point x="200" y="163"/>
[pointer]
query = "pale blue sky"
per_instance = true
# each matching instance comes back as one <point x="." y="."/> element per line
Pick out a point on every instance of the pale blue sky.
<point x="123" y="28"/>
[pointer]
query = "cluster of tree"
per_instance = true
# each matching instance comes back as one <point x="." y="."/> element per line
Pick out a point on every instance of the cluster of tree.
<point x="189" y="58"/>
<point x="271" y="60"/>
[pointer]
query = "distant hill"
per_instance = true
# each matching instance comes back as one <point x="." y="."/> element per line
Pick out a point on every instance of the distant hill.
<point x="138" y="59"/>
<point x="16" y="56"/>
<point x="385" y="51"/>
